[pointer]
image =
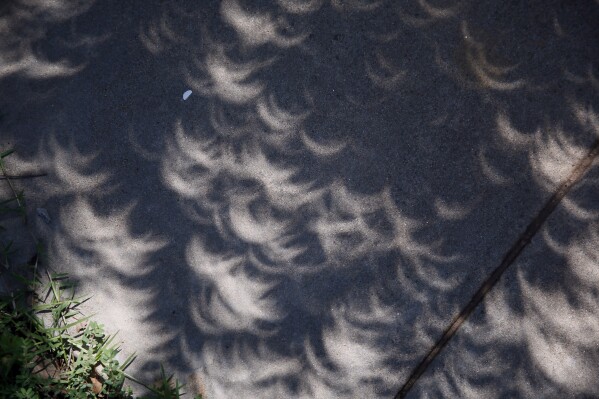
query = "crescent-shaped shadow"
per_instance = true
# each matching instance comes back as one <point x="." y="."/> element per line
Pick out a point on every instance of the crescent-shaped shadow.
<point x="339" y="182"/>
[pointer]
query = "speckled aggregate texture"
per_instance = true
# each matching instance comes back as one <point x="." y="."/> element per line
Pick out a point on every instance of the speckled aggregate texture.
<point x="342" y="178"/>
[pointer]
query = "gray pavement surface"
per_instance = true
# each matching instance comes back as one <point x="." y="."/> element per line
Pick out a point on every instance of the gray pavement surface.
<point x="536" y="335"/>
<point x="342" y="178"/>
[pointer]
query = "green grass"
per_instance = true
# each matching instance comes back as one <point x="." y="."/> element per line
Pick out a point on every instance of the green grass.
<point x="48" y="349"/>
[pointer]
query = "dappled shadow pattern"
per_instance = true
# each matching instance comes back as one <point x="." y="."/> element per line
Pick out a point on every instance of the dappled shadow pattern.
<point x="536" y="333"/>
<point x="342" y="178"/>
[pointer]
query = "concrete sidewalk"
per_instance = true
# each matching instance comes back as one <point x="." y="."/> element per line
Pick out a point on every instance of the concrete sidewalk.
<point x="343" y="177"/>
<point x="536" y="335"/>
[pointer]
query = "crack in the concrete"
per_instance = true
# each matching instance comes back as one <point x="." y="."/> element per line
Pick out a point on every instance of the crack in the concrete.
<point x="575" y="176"/>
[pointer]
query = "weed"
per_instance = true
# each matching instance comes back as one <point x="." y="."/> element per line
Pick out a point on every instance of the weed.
<point x="48" y="349"/>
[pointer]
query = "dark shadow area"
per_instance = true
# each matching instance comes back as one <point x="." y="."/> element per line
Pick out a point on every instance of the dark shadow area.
<point x="341" y="180"/>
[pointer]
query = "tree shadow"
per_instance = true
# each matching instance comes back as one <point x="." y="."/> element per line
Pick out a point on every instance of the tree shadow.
<point x="342" y="178"/>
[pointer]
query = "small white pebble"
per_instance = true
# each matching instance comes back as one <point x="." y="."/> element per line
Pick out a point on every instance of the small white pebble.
<point x="186" y="95"/>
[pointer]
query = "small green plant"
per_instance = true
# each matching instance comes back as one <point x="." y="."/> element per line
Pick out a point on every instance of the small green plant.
<point x="48" y="349"/>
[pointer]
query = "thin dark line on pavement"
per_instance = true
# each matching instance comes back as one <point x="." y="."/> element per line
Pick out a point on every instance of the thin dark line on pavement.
<point x="26" y="176"/>
<point x="577" y="174"/>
